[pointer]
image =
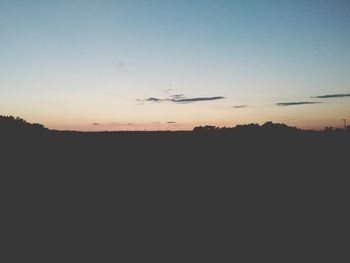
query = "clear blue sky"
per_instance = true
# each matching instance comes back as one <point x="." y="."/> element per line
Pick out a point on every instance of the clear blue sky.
<point x="93" y="65"/>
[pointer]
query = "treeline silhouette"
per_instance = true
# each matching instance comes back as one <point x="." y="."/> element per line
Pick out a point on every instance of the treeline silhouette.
<point x="10" y="123"/>
<point x="260" y="191"/>
<point x="17" y="124"/>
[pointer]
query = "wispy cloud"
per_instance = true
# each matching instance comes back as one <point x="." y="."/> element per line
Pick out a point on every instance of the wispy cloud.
<point x="181" y="99"/>
<point x="295" y="103"/>
<point x="240" y="106"/>
<point x="106" y="124"/>
<point x="177" y="96"/>
<point x="198" y="99"/>
<point x="151" y="99"/>
<point x="171" y="122"/>
<point x="329" y="96"/>
<point x="120" y="66"/>
<point x="167" y="91"/>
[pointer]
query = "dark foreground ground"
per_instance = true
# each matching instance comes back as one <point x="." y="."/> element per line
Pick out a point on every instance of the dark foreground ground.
<point x="248" y="194"/>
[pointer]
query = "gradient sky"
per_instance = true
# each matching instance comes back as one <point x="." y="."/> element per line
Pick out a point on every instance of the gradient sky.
<point x="94" y="65"/>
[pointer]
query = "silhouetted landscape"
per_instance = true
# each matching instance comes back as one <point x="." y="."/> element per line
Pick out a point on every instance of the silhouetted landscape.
<point x="174" y="131"/>
<point x="267" y="182"/>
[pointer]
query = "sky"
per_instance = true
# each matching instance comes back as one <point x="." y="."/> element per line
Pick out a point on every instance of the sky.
<point x="173" y="65"/>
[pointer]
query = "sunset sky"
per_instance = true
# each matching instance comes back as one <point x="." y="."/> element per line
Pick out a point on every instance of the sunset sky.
<point x="159" y="64"/>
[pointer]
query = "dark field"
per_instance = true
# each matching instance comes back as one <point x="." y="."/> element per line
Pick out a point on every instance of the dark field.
<point x="249" y="193"/>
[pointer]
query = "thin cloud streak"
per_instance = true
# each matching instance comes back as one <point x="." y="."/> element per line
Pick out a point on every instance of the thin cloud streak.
<point x="296" y="103"/>
<point x="180" y="99"/>
<point x="240" y="106"/>
<point x="191" y="100"/>
<point x="330" y="96"/>
<point x="152" y="99"/>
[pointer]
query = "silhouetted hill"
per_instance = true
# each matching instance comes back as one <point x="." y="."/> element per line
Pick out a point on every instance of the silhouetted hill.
<point x="261" y="191"/>
<point x="280" y="127"/>
<point x="9" y="124"/>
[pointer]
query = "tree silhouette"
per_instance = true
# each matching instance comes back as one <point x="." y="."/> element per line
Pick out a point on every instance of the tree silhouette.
<point x="12" y="124"/>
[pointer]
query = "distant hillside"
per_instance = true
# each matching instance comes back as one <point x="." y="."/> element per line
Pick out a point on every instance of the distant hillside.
<point x="10" y="124"/>
<point x="252" y="127"/>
